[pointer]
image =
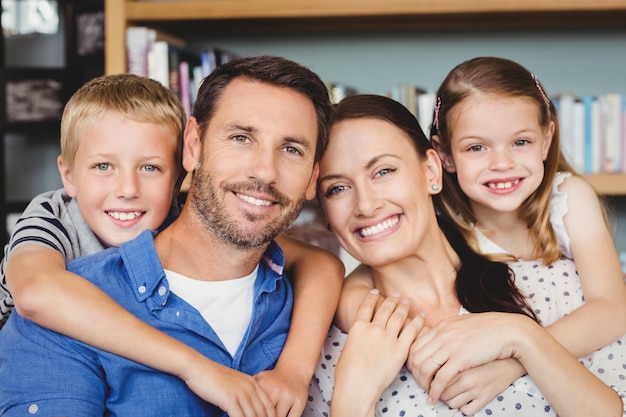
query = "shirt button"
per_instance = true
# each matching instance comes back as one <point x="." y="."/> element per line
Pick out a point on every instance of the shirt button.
<point x="162" y="290"/>
<point x="142" y="289"/>
<point x="33" y="408"/>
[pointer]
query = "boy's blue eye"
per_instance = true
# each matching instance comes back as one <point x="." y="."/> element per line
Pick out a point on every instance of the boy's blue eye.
<point x="150" y="168"/>
<point x="475" y="148"/>
<point x="521" y="142"/>
<point x="103" y="166"/>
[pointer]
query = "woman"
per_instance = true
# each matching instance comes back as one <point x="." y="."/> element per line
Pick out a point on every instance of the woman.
<point x="379" y="202"/>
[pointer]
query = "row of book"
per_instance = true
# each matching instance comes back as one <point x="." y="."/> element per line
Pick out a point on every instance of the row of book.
<point x="593" y="131"/>
<point x="166" y="58"/>
<point x="592" y="128"/>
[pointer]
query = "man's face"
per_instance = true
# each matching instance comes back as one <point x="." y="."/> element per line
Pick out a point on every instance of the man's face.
<point x="255" y="166"/>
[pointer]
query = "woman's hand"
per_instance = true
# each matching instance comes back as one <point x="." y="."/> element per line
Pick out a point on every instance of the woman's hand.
<point x="376" y="349"/>
<point x="458" y="344"/>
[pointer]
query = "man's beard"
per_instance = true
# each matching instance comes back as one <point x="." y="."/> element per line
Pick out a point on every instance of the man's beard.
<point x="212" y="210"/>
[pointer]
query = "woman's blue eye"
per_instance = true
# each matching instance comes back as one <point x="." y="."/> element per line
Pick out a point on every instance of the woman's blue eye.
<point x="102" y="166"/>
<point x="335" y="190"/>
<point x="150" y="168"/>
<point x="475" y="148"/>
<point x="384" y="171"/>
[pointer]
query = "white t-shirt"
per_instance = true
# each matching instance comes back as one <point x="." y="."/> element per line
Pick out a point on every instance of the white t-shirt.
<point x="225" y="305"/>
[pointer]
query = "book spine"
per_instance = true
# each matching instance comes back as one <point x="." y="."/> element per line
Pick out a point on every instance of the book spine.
<point x="185" y="95"/>
<point x="138" y="40"/>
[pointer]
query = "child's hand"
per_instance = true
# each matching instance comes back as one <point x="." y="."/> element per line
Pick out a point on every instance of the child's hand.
<point x="237" y="393"/>
<point x="476" y="387"/>
<point x="287" y="392"/>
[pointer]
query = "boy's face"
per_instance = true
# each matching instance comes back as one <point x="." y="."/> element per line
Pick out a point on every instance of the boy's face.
<point x="123" y="177"/>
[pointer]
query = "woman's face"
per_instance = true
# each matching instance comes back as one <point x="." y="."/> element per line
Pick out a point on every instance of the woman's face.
<point x="376" y="191"/>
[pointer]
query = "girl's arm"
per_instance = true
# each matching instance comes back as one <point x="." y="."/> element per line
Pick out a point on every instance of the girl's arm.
<point x="470" y="340"/>
<point x="47" y="294"/>
<point x="317" y="276"/>
<point x="356" y="286"/>
<point x="602" y="319"/>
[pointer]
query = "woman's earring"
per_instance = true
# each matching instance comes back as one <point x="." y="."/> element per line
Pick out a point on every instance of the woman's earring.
<point x="435" y="187"/>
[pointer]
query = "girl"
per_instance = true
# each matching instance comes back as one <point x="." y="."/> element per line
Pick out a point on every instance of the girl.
<point x="514" y="196"/>
<point x="379" y="203"/>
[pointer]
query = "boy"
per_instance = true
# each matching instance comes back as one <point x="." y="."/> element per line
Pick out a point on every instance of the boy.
<point x="121" y="139"/>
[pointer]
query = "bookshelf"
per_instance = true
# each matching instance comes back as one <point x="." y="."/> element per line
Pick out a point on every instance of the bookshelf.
<point x="208" y="18"/>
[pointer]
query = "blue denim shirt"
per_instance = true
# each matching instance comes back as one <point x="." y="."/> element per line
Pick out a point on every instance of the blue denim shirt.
<point x="44" y="373"/>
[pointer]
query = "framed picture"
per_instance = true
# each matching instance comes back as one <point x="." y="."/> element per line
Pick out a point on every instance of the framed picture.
<point x="34" y="95"/>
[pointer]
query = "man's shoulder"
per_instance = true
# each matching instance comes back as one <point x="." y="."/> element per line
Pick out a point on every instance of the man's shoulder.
<point x="140" y="248"/>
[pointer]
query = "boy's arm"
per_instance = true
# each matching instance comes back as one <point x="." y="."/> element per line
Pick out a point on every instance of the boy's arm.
<point x="602" y="319"/>
<point x="316" y="276"/>
<point x="47" y="294"/>
<point x="356" y="286"/>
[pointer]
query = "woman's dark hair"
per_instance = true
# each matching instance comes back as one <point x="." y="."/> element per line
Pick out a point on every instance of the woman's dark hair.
<point x="481" y="284"/>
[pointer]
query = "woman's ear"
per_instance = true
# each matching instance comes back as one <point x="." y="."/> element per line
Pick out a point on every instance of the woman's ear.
<point x="433" y="171"/>
<point x="67" y="178"/>
<point x="446" y="159"/>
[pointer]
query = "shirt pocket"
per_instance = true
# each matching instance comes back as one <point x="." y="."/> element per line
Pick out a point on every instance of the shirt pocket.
<point x="274" y="346"/>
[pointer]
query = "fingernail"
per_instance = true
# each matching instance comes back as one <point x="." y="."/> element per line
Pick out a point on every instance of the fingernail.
<point x="405" y="301"/>
<point x="423" y="314"/>
<point x="396" y="295"/>
<point x="374" y="291"/>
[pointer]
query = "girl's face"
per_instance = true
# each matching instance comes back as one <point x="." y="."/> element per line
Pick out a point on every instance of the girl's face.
<point x="375" y="190"/>
<point x="497" y="150"/>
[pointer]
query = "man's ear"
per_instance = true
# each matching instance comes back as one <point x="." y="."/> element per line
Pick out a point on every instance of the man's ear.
<point x="446" y="159"/>
<point x="312" y="187"/>
<point x="192" y="147"/>
<point x="66" y="176"/>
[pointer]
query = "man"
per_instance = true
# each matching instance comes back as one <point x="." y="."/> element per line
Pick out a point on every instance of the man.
<point x="259" y="126"/>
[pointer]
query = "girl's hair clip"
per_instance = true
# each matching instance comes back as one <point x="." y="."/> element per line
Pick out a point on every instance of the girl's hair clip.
<point x="436" y="117"/>
<point x="543" y="94"/>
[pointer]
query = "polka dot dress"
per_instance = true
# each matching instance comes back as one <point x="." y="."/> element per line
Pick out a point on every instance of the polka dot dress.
<point x="552" y="291"/>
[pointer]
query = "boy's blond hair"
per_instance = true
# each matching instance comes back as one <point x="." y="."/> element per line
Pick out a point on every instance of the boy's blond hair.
<point x="138" y="98"/>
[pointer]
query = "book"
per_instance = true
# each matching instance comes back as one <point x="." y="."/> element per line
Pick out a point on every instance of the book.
<point x="138" y="42"/>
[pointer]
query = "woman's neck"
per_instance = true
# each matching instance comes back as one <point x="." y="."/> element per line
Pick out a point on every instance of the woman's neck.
<point x="426" y="279"/>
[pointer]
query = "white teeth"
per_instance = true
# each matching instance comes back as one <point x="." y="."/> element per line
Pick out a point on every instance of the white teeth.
<point x="254" y="201"/>
<point x="379" y="227"/>
<point x="124" y="215"/>
<point x="502" y="185"/>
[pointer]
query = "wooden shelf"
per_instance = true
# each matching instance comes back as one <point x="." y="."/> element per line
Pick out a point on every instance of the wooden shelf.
<point x="193" y="18"/>
<point x="608" y="184"/>
<point x="198" y="17"/>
